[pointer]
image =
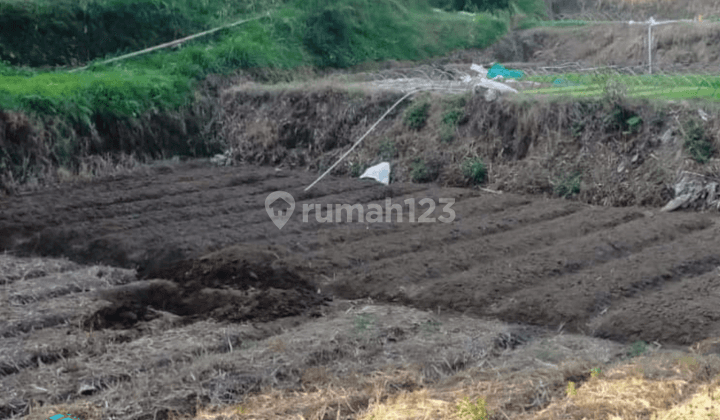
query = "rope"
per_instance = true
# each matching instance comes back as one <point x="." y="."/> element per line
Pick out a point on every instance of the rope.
<point x="413" y="91"/>
<point x="173" y="43"/>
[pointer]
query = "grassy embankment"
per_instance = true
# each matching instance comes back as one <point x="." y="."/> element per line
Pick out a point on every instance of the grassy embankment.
<point x="81" y="107"/>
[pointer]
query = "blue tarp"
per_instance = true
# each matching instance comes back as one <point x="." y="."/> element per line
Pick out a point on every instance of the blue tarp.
<point x="500" y="70"/>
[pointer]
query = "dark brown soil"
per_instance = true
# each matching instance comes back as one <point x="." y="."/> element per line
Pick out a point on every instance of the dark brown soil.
<point x="216" y="275"/>
<point x="520" y="259"/>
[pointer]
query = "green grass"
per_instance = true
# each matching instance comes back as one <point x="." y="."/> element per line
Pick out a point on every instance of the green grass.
<point x="292" y="34"/>
<point x="291" y="38"/>
<point x="534" y="23"/>
<point x="468" y="410"/>
<point x="639" y="86"/>
<point x="63" y="32"/>
<point x="417" y="114"/>
<point x="78" y="97"/>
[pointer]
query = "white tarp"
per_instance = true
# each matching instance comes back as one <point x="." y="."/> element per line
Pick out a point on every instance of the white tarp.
<point x="491" y="84"/>
<point x="379" y="172"/>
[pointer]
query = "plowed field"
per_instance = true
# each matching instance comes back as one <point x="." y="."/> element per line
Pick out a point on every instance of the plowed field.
<point x="214" y="274"/>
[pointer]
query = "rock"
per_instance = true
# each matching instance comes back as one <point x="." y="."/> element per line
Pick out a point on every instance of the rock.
<point x="222" y="159"/>
<point x="694" y="188"/>
<point x="491" y="95"/>
<point x="703" y="115"/>
<point x="676" y="202"/>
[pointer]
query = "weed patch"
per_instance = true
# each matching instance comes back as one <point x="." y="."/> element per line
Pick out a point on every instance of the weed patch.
<point x="447" y="134"/>
<point x="697" y="144"/>
<point x="363" y="322"/>
<point x="571" y="389"/>
<point x="637" y="349"/>
<point x="422" y="172"/>
<point x="452" y="117"/>
<point x="388" y="150"/>
<point x="567" y="186"/>
<point x="474" y="170"/>
<point x="417" y="114"/>
<point x="473" y="411"/>
<point x="357" y="169"/>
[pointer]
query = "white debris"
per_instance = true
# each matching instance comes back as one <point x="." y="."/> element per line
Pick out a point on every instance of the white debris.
<point x="222" y="159"/>
<point x="696" y="190"/>
<point x="703" y="114"/>
<point x="491" y="84"/>
<point x="482" y="71"/>
<point x="379" y="172"/>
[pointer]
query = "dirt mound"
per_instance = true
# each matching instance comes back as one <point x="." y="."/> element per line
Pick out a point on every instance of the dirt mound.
<point x="239" y="283"/>
<point x="238" y="267"/>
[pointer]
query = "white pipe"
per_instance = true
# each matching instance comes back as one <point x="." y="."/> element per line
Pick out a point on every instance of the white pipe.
<point x="650" y="47"/>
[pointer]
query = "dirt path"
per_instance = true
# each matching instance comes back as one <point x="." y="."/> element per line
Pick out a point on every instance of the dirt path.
<point x="621" y="273"/>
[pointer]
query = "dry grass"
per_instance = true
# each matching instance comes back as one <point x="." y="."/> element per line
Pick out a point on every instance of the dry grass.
<point x="620" y="392"/>
<point x="334" y="367"/>
<point x="528" y="145"/>
<point x="668" y="8"/>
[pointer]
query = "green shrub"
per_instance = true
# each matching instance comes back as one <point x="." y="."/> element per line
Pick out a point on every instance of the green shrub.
<point x="452" y="117"/>
<point x="637" y="348"/>
<point x="474" y="170"/>
<point x="416" y="116"/>
<point x="697" y="144"/>
<point x="567" y="186"/>
<point x="634" y="124"/>
<point x="622" y="119"/>
<point x="422" y="172"/>
<point x="388" y="151"/>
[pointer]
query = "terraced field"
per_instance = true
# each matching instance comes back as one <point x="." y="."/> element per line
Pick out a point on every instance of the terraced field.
<point x="689" y="86"/>
<point x="215" y="276"/>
